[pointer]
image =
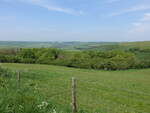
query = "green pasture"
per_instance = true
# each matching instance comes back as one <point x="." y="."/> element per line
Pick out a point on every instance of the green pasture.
<point x="97" y="91"/>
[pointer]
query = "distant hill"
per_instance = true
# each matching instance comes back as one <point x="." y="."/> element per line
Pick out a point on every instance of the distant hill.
<point x="115" y="45"/>
<point x="76" y="45"/>
<point x="142" y="45"/>
<point x="62" y="45"/>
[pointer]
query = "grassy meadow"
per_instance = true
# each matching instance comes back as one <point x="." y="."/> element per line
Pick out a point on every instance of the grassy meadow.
<point x="97" y="91"/>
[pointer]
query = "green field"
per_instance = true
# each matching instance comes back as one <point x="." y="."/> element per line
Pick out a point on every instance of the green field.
<point x="142" y="45"/>
<point x="97" y="91"/>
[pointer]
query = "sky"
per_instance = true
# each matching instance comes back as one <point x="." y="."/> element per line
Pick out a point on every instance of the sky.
<point x="75" y="20"/>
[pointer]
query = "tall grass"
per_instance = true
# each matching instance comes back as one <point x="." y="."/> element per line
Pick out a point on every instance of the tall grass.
<point x="97" y="91"/>
<point x="25" y="99"/>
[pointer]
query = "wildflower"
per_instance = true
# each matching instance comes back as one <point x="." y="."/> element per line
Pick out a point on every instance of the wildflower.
<point x="39" y="106"/>
<point x="54" y="111"/>
<point x="21" y="107"/>
<point x="43" y="105"/>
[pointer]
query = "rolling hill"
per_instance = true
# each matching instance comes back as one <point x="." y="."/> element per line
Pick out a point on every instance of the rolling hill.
<point x="97" y="91"/>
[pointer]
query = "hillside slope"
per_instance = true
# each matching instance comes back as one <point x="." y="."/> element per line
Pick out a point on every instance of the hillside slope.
<point x="142" y="45"/>
<point x="97" y="91"/>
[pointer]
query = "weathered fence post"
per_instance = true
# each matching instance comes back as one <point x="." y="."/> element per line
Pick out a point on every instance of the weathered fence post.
<point x="74" y="104"/>
<point x="18" y="79"/>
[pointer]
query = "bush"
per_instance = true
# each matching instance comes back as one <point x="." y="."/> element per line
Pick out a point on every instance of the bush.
<point x="108" y="60"/>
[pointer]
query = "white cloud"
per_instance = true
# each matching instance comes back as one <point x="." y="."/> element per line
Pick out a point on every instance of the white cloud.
<point x="140" y="30"/>
<point x="146" y="17"/>
<point x="49" y="5"/>
<point x="142" y="26"/>
<point x="132" y="9"/>
<point x="64" y="10"/>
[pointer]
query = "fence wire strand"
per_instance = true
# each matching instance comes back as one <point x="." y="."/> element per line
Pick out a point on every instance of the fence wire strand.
<point x="120" y="89"/>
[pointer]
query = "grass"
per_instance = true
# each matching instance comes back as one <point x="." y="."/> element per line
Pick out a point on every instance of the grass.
<point x="97" y="91"/>
<point x="141" y="45"/>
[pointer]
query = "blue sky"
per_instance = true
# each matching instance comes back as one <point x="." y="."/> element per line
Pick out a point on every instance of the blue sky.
<point x="75" y="20"/>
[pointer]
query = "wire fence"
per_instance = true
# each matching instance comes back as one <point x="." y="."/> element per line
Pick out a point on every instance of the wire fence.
<point x="72" y="94"/>
<point x="91" y="88"/>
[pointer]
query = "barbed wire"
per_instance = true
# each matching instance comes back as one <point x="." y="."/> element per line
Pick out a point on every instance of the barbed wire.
<point x="92" y="83"/>
<point x="122" y="96"/>
<point x="121" y="89"/>
<point x="59" y="93"/>
<point x="110" y="108"/>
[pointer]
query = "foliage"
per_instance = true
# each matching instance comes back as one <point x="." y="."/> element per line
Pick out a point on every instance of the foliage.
<point x="91" y="59"/>
<point x="25" y="99"/>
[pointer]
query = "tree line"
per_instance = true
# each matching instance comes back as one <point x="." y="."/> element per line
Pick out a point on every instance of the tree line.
<point x="106" y="60"/>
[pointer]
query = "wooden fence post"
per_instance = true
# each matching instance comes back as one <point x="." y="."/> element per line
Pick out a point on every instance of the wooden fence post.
<point x="74" y="104"/>
<point x="18" y="79"/>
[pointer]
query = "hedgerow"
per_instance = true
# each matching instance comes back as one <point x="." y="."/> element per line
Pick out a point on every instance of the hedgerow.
<point x="106" y="60"/>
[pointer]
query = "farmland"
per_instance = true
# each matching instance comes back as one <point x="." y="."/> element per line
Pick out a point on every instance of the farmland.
<point x="74" y="56"/>
<point x="97" y="91"/>
<point x="76" y="45"/>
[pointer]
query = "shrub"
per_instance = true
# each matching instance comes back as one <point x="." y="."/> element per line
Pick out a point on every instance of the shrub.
<point x="108" y="60"/>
